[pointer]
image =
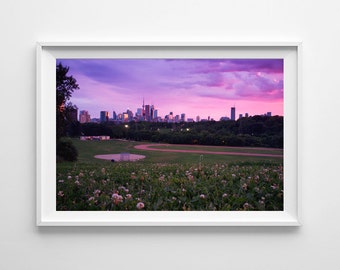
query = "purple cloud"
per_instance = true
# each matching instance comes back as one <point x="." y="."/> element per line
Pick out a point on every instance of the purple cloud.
<point x="181" y="84"/>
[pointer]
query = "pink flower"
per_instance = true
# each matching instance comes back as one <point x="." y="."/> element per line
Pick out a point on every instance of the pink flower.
<point x="224" y="195"/>
<point x="61" y="193"/>
<point x="128" y="196"/>
<point x="202" y="196"/>
<point x="140" y="205"/>
<point x="117" y="198"/>
<point x="96" y="193"/>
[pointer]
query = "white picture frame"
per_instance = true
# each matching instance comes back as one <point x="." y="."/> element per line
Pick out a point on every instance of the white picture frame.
<point x="48" y="52"/>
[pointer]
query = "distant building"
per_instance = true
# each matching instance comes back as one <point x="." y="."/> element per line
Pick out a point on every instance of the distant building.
<point x="246" y="115"/>
<point x="171" y="116"/>
<point x="232" y="113"/>
<point x="104" y="116"/>
<point x="269" y="114"/>
<point x="152" y="109"/>
<point x="114" y="116"/>
<point x="147" y="113"/>
<point x="139" y="112"/>
<point x="177" y="118"/>
<point x="125" y="117"/>
<point x="240" y="116"/>
<point x="190" y="120"/>
<point x="183" y="117"/>
<point x="198" y="118"/>
<point x="84" y="117"/>
<point x="130" y="115"/>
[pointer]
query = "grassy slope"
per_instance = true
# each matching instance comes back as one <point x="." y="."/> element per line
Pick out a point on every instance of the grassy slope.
<point x="87" y="150"/>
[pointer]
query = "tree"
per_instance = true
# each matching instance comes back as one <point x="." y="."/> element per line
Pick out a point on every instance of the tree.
<point x="65" y="86"/>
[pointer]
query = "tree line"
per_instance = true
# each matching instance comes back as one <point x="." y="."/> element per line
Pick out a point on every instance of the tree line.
<point x="256" y="131"/>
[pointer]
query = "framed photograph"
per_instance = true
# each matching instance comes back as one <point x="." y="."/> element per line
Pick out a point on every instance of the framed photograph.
<point x="168" y="134"/>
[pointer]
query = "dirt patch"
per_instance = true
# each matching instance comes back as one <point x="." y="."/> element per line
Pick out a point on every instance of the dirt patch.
<point x="120" y="157"/>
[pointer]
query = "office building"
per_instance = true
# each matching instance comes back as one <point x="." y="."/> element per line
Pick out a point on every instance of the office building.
<point x="84" y="117"/>
<point x="183" y="117"/>
<point x="104" y="116"/>
<point x="232" y="113"/>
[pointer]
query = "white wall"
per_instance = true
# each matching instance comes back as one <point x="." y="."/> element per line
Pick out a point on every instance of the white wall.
<point x="315" y="245"/>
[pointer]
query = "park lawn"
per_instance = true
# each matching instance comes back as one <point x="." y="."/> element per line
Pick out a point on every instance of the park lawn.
<point x="88" y="149"/>
<point x="255" y="150"/>
<point x="167" y="181"/>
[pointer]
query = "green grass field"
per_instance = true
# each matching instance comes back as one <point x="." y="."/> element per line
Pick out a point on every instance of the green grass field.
<point x="169" y="181"/>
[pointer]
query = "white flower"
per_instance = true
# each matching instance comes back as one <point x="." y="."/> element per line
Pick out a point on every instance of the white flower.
<point x="202" y="196"/>
<point x="224" y="195"/>
<point x="61" y="193"/>
<point x="140" y="205"/>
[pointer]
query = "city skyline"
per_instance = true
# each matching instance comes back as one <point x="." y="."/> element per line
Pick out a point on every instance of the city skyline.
<point x="152" y="116"/>
<point x="196" y="87"/>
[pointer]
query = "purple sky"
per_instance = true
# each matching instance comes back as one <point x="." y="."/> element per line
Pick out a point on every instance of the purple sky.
<point x="204" y="87"/>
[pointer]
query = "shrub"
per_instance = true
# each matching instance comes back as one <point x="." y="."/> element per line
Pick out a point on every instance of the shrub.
<point x="66" y="151"/>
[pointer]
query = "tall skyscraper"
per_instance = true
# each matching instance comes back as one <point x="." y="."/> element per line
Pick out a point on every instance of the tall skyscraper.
<point x="104" y="116"/>
<point x="152" y="109"/>
<point x="143" y="110"/>
<point x="147" y="113"/>
<point x="232" y="113"/>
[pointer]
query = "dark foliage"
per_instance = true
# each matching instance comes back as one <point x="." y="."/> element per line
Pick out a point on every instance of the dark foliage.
<point x="66" y="151"/>
<point x="256" y="131"/>
<point x="67" y="124"/>
<point x="65" y="86"/>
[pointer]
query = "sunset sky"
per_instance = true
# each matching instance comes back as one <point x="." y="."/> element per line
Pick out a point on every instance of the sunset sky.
<point x="196" y="87"/>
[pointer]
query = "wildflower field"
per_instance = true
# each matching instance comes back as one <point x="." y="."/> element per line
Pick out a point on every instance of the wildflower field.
<point x="168" y="181"/>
